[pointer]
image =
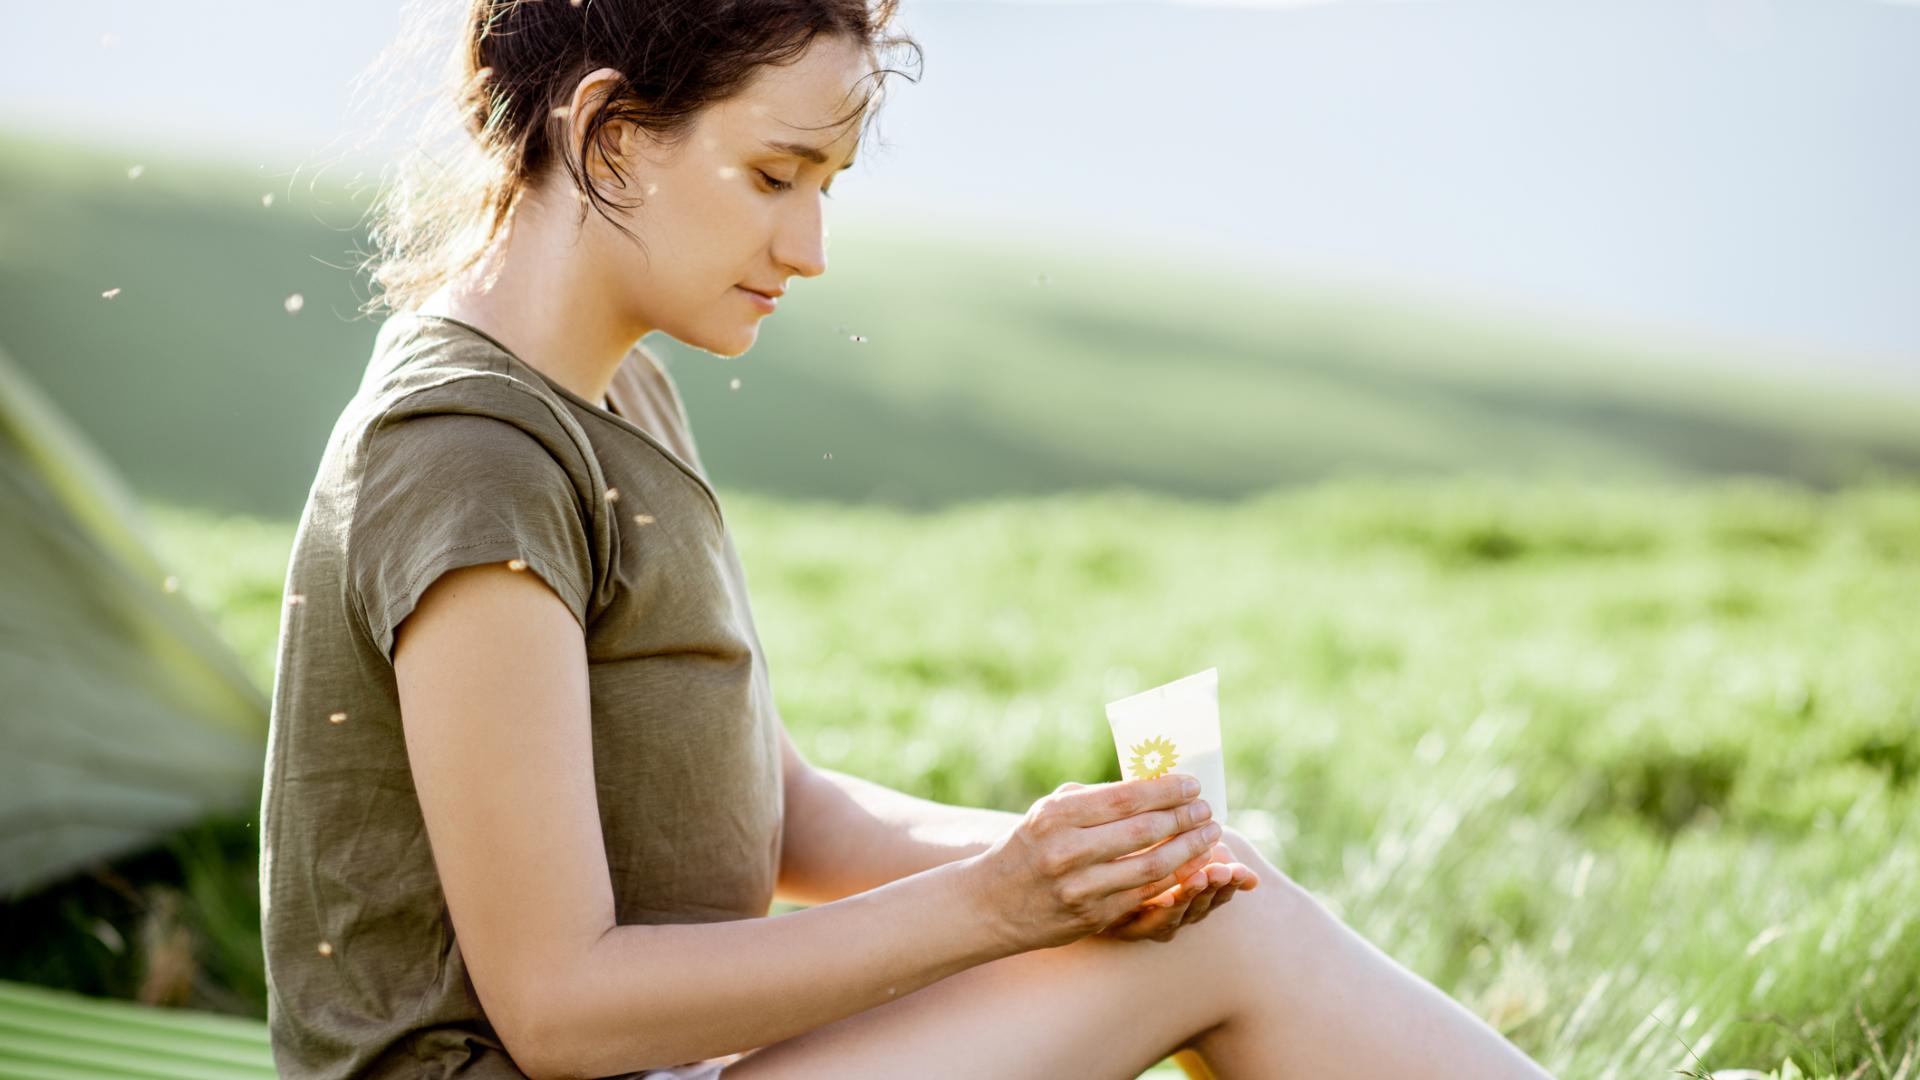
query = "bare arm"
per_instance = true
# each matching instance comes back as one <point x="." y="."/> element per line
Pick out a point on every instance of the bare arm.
<point x="648" y="996"/>
<point x="491" y="669"/>
<point x="845" y="835"/>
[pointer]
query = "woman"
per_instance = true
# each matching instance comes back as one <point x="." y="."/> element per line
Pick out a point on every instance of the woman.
<point x="528" y="796"/>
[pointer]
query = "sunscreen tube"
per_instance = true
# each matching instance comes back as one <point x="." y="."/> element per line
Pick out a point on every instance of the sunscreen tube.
<point x="1174" y="728"/>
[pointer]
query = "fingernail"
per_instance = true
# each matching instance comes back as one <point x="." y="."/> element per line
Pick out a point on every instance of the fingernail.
<point x="1191" y="787"/>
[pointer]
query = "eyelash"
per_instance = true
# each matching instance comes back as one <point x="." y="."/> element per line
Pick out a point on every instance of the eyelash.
<point x="782" y="185"/>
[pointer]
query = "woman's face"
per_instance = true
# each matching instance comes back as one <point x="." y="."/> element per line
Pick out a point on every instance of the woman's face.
<point x="724" y="211"/>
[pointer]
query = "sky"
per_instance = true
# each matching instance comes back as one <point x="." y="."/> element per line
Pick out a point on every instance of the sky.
<point x="1740" y="171"/>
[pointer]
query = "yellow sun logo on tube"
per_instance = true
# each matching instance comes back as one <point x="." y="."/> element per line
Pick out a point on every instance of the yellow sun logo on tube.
<point x="1153" y="758"/>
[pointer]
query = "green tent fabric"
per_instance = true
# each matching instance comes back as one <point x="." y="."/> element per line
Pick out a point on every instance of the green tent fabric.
<point x="58" y="1035"/>
<point x="123" y="716"/>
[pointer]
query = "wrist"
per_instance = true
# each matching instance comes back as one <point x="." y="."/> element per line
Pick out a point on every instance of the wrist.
<point x="967" y="831"/>
<point x="974" y="910"/>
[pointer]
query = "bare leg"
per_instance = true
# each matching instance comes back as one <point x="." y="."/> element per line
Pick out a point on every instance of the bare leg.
<point x="1270" y="986"/>
<point x="1315" y="999"/>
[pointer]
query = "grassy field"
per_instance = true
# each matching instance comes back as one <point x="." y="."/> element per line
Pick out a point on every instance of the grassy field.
<point x="1615" y="743"/>
<point x="1630" y="770"/>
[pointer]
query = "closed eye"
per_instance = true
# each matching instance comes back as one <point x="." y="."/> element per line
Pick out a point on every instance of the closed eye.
<point x="778" y="184"/>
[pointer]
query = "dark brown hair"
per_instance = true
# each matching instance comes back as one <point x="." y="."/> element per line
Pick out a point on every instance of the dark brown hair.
<point x="508" y="81"/>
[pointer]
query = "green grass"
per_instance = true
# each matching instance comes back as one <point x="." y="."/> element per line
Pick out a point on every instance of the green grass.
<point x="1626" y="769"/>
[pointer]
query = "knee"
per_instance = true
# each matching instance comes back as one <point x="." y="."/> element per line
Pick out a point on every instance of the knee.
<point x="1279" y="913"/>
<point x="1271" y="876"/>
<point x="1242" y="848"/>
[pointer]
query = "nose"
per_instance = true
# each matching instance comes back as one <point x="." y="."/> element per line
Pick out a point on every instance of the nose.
<point x="801" y="244"/>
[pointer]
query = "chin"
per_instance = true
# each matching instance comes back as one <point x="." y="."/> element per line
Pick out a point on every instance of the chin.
<point x="731" y="344"/>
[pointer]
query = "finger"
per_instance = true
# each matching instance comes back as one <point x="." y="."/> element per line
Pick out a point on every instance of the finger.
<point x="1229" y="892"/>
<point x="1219" y="882"/>
<point x="1203" y="902"/>
<point x="1156" y="917"/>
<point x="1202" y="881"/>
<point x="1099" y="804"/>
<point x="1195" y="884"/>
<point x="1183" y="872"/>
<point x="1142" y="833"/>
<point x="1166" y="897"/>
<point x="1244" y="880"/>
<point x="1138" y="873"/>
<point x="1225" y="872"/>
<point x="1229" y="872"/>
<point x="1148" y="920"/>
<point x="1121" y="929"/>
<point x="1165" y="888"/>
<point x="1219" y="853"/>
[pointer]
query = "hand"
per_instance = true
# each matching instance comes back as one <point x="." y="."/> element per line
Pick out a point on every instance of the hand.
<point x="1202" y="888"/>
<point x="1085" y="856"/>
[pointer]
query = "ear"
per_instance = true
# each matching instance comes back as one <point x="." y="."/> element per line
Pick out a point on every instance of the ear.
<point x="615" y="138"/>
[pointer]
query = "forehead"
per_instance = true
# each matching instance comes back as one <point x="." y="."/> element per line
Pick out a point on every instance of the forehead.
<point x="802" y="101"/>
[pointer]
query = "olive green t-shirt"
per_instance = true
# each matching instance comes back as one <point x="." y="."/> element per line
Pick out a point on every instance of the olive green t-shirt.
<point x="454" y="452"/>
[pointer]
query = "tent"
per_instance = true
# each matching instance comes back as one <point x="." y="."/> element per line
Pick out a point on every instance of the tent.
<point x="123" y="715"/>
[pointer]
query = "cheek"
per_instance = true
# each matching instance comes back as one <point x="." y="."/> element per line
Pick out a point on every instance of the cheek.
<point x="703" y="224"/>
<point x="700" y="241"/>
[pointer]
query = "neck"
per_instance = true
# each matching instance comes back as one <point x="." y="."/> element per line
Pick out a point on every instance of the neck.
<point x="545" y="303"/>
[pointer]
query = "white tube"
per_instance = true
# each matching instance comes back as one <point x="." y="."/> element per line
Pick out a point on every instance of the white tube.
<point x="1174" y="728"/>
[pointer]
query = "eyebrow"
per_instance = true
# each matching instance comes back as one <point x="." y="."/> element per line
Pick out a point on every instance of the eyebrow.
<point x="815" y="154"/>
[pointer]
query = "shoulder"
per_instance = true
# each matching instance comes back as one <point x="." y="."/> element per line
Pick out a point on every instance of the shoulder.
<point x="463" y="474"/>
<point x="452" y="432"/>
<point x="429" y="392"/>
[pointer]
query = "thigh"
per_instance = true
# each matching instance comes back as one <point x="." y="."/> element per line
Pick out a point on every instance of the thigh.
<point x="1095" y="1008"/>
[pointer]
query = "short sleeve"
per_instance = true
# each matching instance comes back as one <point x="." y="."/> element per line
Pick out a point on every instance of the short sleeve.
<point x="445" y="490"/>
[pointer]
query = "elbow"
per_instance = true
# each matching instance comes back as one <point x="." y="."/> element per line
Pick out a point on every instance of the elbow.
<point x="548" y="1040"/>
<point x="536" y="1038"/>
<point x="544" y="1059"/>
<point x="533" y="1048"/>
<point x="554" y="1053"/>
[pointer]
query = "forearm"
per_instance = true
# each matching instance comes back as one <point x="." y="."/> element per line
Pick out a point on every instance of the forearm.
<point x="648" y="996"/>
<point x="845" y="835"/>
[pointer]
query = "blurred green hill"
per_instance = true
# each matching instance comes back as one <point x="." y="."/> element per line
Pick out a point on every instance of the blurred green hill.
<point x="991" y="365"/>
